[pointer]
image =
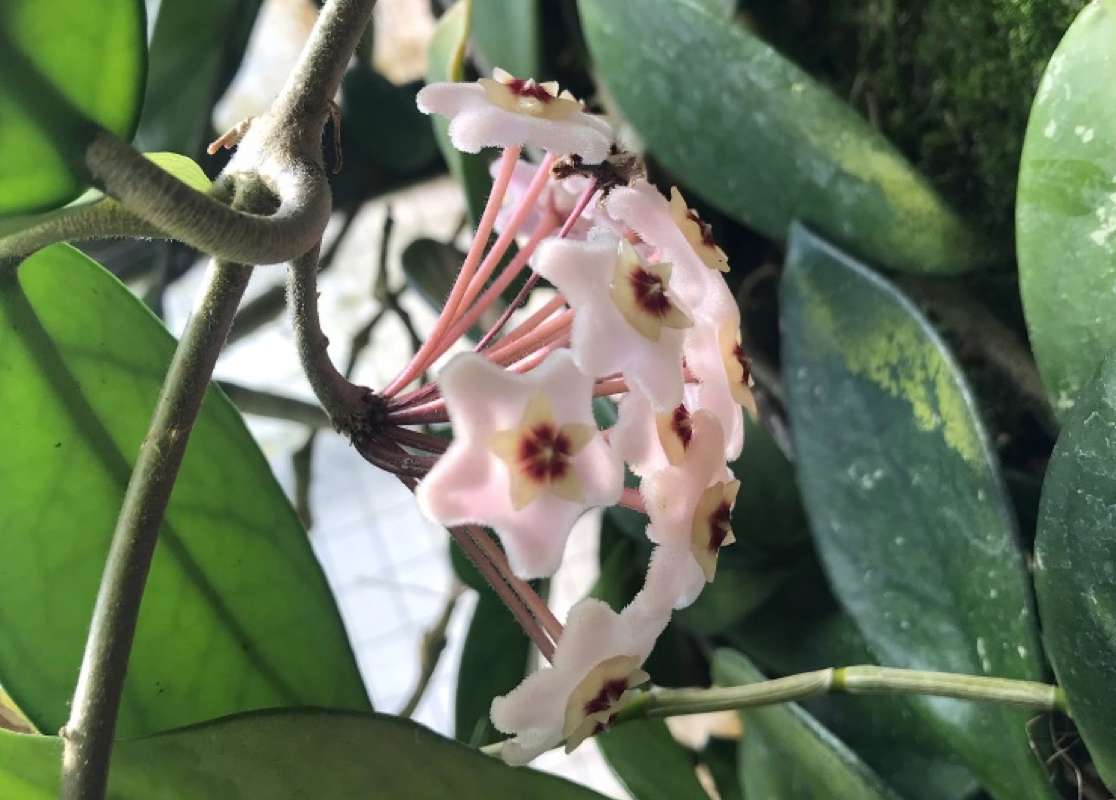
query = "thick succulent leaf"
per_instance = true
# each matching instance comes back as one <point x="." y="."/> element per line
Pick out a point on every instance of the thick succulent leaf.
<point x="764" y="142"/>
<point x="196" y="48"/>
<point x="508" y="35"/>
<point x="493" y="662"/>
<point x="907" y="506"/>
<point x="794" y="757"/>
<point x="63" y="61"/>
<point x="237" y="614"/>
<point x="1066" y="207"/>
<point x="1075" y="566"/>
<point x="650" y="763"/>
<point x="446" y="62"/>
<point x="287" y="754"/>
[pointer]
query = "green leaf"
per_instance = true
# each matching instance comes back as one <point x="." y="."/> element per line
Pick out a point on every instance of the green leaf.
<point x="61" y="59"/>
<point x="287" y="754"/>
<point x="908" y="509"/>
<point x="794" y="757"/>
<point x="382" y="121"/>
<point x="446" y="62"/>
<point x="1075" y="566"/>
<point x="1066" y="207"/>
<point x="508" y="35"/>
<point x="758" y="138"/>
<point x="493" y="662"/>
<point x="649" y="762"/>
<point x="236" y="615"/>
<point x="196" y="48"/>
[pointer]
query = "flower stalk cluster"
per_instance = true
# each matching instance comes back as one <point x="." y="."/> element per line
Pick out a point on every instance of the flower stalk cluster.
<point x="642" y="315"/>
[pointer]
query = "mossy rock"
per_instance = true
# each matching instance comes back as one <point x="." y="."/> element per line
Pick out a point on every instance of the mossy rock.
<point x="949" y="81"/>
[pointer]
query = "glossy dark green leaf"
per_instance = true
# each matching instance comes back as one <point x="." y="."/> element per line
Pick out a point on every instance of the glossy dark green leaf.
<point x="196" y="47"/>
<point x="508" y="35"/>
<point x="493" y="662"/>
<point x="758" y="138"/>
<point x="382" y="120"/>
<point x="1075" y="566"/>
<point x="797" y="758"/>
<point x="445" y="62"/>
<point x="908" y="509"/>
<point x="237" y="614"/>
<point x="650" y="763"/>
<point x="886" y="732"/>
<point x="59" y="57"/>
<point x="303" y="753"/>
<point x="1066" y="207"/>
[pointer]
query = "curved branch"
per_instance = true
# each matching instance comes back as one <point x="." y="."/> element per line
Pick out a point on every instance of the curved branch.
<point x="346" y="403"/>
<point x="104" y="219"/>
<point x="203" y="221"/>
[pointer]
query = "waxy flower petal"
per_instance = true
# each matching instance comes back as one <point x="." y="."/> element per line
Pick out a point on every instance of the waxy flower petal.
<point x="702" y="291"/>
<point x="604" y="340"/>
<point x="648" y="440"/>
<point x="712" y="525"/>
<point x="505" y="112"/>
<point x="684" y="513"/>
<point x="697" y="233"/>
<point x="527" y="467"/>
<point x="714" y="356"/>
<point x="596" y="664"/>
<point x="674" y="580"/>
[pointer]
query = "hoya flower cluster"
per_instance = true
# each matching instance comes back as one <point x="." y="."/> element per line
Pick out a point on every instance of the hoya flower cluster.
<point x="642" y="314"/>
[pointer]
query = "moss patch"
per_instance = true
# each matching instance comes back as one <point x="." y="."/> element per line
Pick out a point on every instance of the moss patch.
<point x="949" y="81"/>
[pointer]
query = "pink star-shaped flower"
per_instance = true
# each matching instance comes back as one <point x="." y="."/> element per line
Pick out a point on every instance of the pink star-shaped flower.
<point x="504" y="111"/>
<point x="596" y="665"/>
<point x="690" y="505"/>
<point x="625" y="316"/>
<point x="701" y="289"/>
<point x="526" y="458"/>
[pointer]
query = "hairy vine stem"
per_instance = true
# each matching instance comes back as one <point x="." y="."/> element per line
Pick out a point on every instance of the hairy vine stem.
<point x="280" y="204"/>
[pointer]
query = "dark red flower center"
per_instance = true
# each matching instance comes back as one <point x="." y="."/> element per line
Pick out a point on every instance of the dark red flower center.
<point x="744" y="362"/>
<point x="720" y="523"/>
<point x="544" y="452"/>
<point x="521" y="87"/>
<point x="682" y="425"/>
<point x="703" y="226"/>
<point x="609" y="694"/>
<point x="650" y="293"/>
